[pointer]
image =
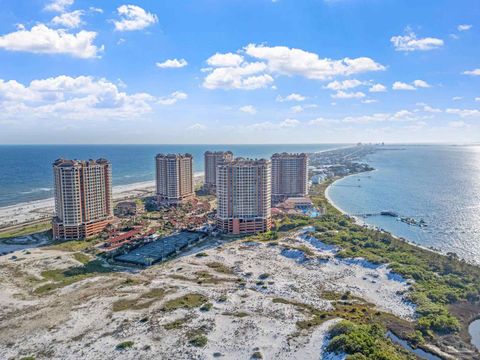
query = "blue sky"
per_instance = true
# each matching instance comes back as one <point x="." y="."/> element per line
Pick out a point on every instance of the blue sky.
<point x="249" y="71"/>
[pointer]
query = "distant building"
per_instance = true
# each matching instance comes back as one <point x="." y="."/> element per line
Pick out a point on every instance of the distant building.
<point x="174" y="177"/>
<point x="83" y="198"/>
<point x="244" y="196"/>
<point x="289" y="176"/>
<point x="212" y="160"/>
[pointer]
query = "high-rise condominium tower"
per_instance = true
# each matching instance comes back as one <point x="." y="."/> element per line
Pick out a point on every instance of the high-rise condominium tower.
<point x="83" y="198"/>
<point x="244" y="196"/>
<point x="174" y="178"/>
<point x="289" y="176"/>
<point x="212" y="160"/>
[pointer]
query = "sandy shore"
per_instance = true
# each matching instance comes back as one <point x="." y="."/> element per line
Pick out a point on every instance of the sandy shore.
<point x="42" y="209"/>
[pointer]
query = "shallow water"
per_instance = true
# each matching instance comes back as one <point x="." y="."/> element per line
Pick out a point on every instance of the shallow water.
<point x="439" y="184"/>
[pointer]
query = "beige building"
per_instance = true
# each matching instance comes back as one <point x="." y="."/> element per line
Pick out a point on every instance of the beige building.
<point x="289" y="176"/>
<point x="174" y="178"/>
<point x="212" y="160"/>
<point x="83" y="198"/>
<point x="244" y="196"/>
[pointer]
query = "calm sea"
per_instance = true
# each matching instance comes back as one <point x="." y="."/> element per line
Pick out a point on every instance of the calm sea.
<point x="26" y="170"/>
<point x="440" y="184"/>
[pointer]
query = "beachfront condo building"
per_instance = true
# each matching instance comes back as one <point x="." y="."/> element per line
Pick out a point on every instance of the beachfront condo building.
<point x="244" y="196"/>
<point x="289" y="176"/>
<point x="174" y="178"/>
<point x="212" y="160"/>
<point x="83" y="198"/>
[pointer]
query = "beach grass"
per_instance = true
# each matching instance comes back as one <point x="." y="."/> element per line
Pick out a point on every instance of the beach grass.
<point x="26" y="230"/>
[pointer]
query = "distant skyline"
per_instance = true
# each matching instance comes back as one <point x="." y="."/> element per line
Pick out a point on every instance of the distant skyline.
<point x="239" y="72"/>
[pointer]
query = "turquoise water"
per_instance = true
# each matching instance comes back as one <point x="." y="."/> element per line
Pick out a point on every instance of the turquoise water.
<point x="26" y="170"/>
<point x="437" y="183"/>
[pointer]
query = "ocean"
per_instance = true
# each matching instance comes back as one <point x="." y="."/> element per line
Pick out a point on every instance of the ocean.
<point x="437" y="183"/>
<point x="26" y="170"/>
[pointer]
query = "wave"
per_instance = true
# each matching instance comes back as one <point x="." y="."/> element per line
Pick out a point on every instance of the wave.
<point x="36" y="190"/>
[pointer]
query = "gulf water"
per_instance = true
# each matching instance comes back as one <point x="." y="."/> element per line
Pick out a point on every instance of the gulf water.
<point x="26" y="170"/>
<point x="437" y="183"/>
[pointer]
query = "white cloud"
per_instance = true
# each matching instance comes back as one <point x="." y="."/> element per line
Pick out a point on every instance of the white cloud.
<point x="70" y="20"/>
<point x="247" y="76"/>
<point x="232" y="71"/>
<point x="291" y="61"/>
<point x="457" y="98"/>
<point x="289" y="123"/>
<point x="343" y="85"/>
<point x="376" y="88"/>
<point x="249" y="109"/>
<point x="414" y="85"/>
<point x="173" y="98"/>
<point x="430" y="109"/>
<point x="296" y="109"/>
<point x="410" y="42"/>
<point x="420" y="84"/>
<point x="477" y="99"/>
<point x="464" y="27"/>
<point x="475" y="72"/>
<point x="348" y="95"/>
<point x="65" y="97"/>
<point x="59" y="5"/>
<point x="228" y="59"/>
<point x="172" y="63"/>
<point x="322" y="121"/>
<point x="41" y="39"/>
<point x="291" y="97"/>
<point x="133" y="17"/>
<point x="267" y="125"/>
<point x="197" y="127"/>
<point x="463" y="112"/>
<point x="369" y="101"/>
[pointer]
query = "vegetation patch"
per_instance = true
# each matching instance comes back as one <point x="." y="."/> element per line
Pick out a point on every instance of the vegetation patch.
<point x="43" y="227"/>
<point x="81" y="257"/>
<point x="219" y="267"/>
<point x="59" y="278"/>
<point x="188" y="301"/>
<point x="364" y="342"/>
<point x="141" y="302"/>
<point x="125" y="345"/>
<point x="198" y="341"/>
<point x="177" y="324"/>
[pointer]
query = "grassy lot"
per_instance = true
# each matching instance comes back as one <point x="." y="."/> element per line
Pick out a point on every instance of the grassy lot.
<point x="58" y="278"/>
<point x="26" y="230"/>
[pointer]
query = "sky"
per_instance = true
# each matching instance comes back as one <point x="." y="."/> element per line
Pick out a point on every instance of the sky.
<point x="239" y="71"/>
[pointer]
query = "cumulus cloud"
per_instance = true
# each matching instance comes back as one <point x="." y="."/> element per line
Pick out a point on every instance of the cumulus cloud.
<point x="291" y="97"/>
<point x="172" y="63"/>
<point x="59" y="5"/>
<point x="41" y="39"/>
<point x="291" y="61"/>
<point x="376" y="88"/>
<point x="70" y="20"/>
<point x="228" y="59"/>
<point x="249" y="109"/>
<point x="414" y="85"/>
<point x="477" y="99"/>
<point x="464" y="112"/>
<point x="133" y="17"/>
<point x="369" y="101"/>
<point x="348" y="95"/>
<point x="464" y="27"/>
<point x="343" y="85"/>
<point x="233" y="71"/>
<point x="65" y="97"/>
<point x="297" y="109"/>
<point x="267" y="125"/>
<point x="409" y="42"/>
<point x="247" y="76"/>
<point x="474" y="72"/>
<point x="173" y="98"/>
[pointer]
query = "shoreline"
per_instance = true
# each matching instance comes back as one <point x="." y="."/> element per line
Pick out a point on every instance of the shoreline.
<point x="35" y="210"/>
<point x="361" y="222"/>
